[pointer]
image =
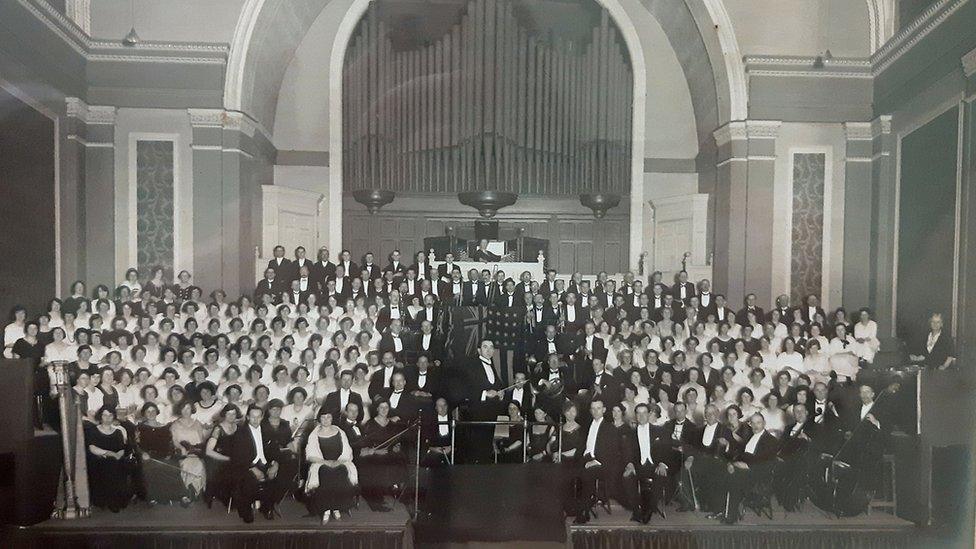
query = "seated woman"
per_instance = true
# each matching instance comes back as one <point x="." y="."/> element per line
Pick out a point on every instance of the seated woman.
<point x="381" y="459"/>
<point x="160" y="470"/>
<point x="108" y="465"/>
<point x="540" y="437"/>
<point x="332" y="476"/>
<point x="188" y="439"/>
<point x="220" y="477"/>
<point x="509" y="448"/>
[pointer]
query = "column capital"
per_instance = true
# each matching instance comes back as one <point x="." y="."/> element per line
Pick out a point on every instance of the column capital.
<point x="763" y="129"/>
<point x="881" y="126"/>
<point x="969" y="63"/>
<point x="734" y="130"/>
<point x="859" y="131"/>
<point x="89" y="114"/>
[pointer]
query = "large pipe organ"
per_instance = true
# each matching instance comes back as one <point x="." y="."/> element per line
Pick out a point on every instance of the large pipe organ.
<point x="495" y="101"/>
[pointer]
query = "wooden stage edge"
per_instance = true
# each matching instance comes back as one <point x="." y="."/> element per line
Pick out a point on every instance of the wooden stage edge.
<point x="167" y="526"/>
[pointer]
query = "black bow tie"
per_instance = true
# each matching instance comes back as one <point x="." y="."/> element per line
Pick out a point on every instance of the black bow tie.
<point x="398" y="392"/>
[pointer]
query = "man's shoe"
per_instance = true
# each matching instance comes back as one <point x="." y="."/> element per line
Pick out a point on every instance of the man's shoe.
<point x="268" y="512"/>
<point x="635" y="517"/>
<point x="248" y="515"/>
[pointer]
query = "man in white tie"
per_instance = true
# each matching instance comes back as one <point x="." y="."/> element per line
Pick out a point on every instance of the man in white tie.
<point x="646" y="472"/>
<point x="601" y="449"/>
<point x="486" y="399"/>
<point x="753" y="462"/>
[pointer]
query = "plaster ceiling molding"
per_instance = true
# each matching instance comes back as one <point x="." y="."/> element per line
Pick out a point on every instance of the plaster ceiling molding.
<point x="265" y="39"/>
<point x="763" y="129"/>
<point x="881" y="14"/>
<point x="79" y="12"/>
<point x="733" y="131"/>
<point x="881" y="126"/>
<point x="206" y="118"/>
<point x="691" y="31"/>
<point x="836" y="67"/>
<point x="89" y="114"/>
<point x="859" y="131"/>
<point x="969" y="63"/>
<point x="734" y="66"/>
<point x="115" y="51"/>
<point x="912" y="34"/>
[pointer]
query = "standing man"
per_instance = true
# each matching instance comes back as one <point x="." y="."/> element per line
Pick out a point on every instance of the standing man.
<point x="486" y="402"/>
<point x="254" y="466"/>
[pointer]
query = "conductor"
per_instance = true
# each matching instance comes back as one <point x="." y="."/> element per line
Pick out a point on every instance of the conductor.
<point x="486" y="404"/>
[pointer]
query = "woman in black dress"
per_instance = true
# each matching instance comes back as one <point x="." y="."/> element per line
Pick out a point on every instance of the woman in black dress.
<point x="219" y="474"/>
<point x="31" y="348"/>
<point x="509" y="448"/>
<point x="161" y="478"/>
<point x="108" y="469"/>
<point x="540" y="437"/>
<point x="568" y="451"/>
<point x="382" y="467"/>
<point x="332" y="476"/>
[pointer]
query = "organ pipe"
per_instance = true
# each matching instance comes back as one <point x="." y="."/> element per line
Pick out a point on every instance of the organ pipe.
<point x="491" y="104"/>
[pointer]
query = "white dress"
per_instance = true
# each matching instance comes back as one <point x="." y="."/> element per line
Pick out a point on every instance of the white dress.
<point x="869" y="333"/>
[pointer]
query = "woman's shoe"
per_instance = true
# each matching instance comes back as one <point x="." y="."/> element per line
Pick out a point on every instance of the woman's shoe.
<point x="336" y="515"/>
<point x="325" y="518"/>
<point x="185" y="502"/>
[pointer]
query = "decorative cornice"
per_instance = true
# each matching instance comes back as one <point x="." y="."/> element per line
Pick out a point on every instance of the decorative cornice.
<point x="735" y="130"/>
<point x="912" y="34"/>
<point x="881" y="126"/>
<point x="859" y="131"/>
<point x="969" y="63"/>
<point x="89" y="114"/>
<point x="763" y="129"/>
<point x="115" y="51"/>
<point x="804" y="66"/>
<point x="206" y="118"/>
<point x="235" y="120"/>
<point x="226" y="120"/>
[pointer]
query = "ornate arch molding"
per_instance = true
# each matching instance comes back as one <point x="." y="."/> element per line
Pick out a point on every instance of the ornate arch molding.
<point x="269" y="31"/>
<point x="267" y="34"/>
<point x="881" y="14"/>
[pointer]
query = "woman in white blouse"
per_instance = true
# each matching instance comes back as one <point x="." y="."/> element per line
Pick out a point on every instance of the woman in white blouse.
<point x="815" y="364"/>
<point x="59" y="349"/>
<point x="15" y="330"/>
<point x="790" y="359"/>
<point x="866" y="343"/>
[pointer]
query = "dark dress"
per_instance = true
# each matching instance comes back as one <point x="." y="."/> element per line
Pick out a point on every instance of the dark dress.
<point x="334" y="491"/>
<point x="379" y="472"/>
<point x="515" y="434"/>
<point x="220" y="478"/>
<point x="108" y="477"/>
<point x="161" y="474"/>
<point x="572" y="441"/>
<point x="42" y="383"/>
<point x="539" y="444"/>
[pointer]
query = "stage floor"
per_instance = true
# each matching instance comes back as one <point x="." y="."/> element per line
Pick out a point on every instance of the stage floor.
<point x="174" y="526"/>
<point x="808" y="518"/>
<point x="808" y="527"/>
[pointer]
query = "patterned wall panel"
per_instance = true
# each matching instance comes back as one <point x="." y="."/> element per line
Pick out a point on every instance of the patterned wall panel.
<point x="806" y="261"/>
<point x="154" y="205"/>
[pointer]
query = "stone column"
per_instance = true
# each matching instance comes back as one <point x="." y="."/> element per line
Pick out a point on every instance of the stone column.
<point x="883" y="221"/>
<point x="231" y="160"/>
<point x="89" y="155"/>
<point x="858" y="222"/>
<point x="744" y="209"/>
